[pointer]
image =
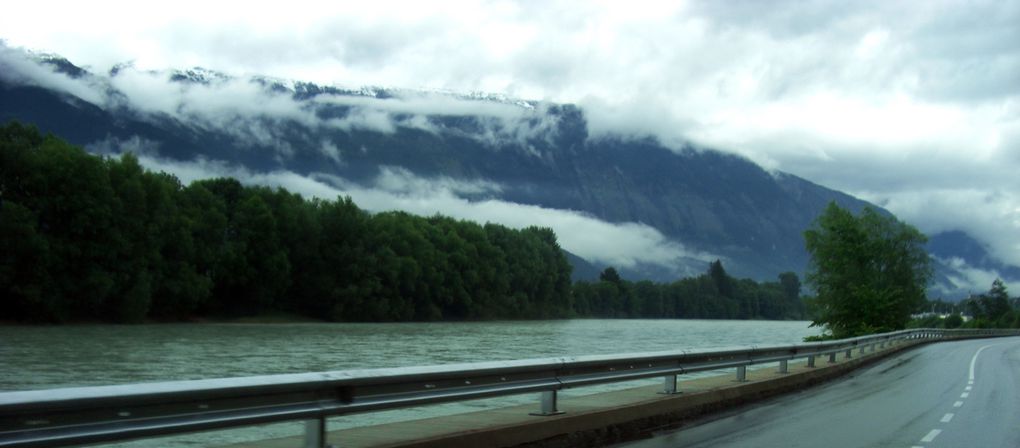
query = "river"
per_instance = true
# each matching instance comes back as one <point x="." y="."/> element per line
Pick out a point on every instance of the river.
<point x="87" y="355"/>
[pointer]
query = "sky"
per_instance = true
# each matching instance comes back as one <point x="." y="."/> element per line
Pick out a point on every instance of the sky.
<point x="913" y="105"/>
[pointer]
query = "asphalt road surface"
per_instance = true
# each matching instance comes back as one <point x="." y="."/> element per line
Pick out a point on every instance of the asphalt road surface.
<point x="948" y="394"/>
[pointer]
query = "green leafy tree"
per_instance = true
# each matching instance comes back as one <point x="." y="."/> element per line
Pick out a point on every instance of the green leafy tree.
<point x="610" y="275"/>
<point x="869" y="271"/>
<point x="791" y="285"/>
<point x="24" y="275"/>
<point x="723" y="282"/>
<point x="996" y="302"/>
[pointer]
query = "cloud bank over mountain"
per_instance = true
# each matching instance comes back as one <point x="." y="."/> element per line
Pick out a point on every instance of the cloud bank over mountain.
<point x="625" y="245"/>
<point x="914" y="106"/>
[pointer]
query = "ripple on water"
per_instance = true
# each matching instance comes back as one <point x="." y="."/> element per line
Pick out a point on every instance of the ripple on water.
<point x="87" y="355"/>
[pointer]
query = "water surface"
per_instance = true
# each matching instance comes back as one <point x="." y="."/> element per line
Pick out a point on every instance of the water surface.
<point x="89" y="355"/>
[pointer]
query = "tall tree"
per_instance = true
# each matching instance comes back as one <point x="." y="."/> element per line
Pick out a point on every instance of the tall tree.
<point x="994" y="304"/>
<point x="791" y="285"/>
<point x="869" y="271"/>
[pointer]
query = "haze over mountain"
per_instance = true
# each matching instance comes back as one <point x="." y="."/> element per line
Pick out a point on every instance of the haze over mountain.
<point x="653" y="210"/>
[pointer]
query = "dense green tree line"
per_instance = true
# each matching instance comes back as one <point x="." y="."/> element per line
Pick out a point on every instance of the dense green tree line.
<point x="91" y="238"/>
<point x="713" y="295"/>
<point x="87" y="238"/>
<point x="993" y="309"/>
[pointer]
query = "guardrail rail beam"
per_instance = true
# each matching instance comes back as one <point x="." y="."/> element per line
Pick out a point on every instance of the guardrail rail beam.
<point x="106" y="414"/>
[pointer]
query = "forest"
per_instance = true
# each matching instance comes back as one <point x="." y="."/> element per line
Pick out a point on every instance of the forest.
<point x="712" y="295"/>
<point x="85" y="238"/>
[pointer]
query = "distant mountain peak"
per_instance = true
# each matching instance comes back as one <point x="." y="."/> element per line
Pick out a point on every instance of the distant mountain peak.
<point x="64" y="66"/>
<point x="199" y="75"/>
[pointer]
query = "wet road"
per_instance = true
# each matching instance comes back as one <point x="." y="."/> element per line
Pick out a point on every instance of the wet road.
<point x="950" y="394"/>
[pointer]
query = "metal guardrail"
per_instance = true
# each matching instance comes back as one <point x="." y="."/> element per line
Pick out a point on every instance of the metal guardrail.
<point x="72" y="416"/>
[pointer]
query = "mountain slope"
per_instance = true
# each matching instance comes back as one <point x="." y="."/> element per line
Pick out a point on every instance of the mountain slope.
<point x="694" y="205"/>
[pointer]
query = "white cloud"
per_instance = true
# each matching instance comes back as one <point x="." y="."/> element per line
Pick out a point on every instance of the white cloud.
<point x="974" y="280"/>
<point x="912" y="104"/>
<point x="990" y="216"/>
<point x="112" y="146"/>
<point x="399" y="181"/>
<point x="250" y="112"/>
<point x="16" y="67"/>
<point x="618" y="244"/>
<point x="331" y="151"/>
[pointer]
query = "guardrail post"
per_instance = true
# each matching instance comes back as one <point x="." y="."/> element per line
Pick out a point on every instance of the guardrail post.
<point x="811" y="361"/>
<point x="849" y="353"/>
<point x="832" y="358"/>
<point x="548" y="404"/>
<point x="315" y="433"/>
<point x="669" y="385"/>
<point x="784" y="367"/>
<point x="741" y="374"/>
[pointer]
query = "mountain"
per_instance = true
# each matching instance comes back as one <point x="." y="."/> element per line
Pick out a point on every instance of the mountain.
<point x="653" y="211"/>
<point x="957" y="254"/>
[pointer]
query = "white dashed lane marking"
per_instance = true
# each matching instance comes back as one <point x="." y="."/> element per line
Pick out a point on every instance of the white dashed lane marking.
<point x="931" y="436"/>
<point x="970" y="376"/>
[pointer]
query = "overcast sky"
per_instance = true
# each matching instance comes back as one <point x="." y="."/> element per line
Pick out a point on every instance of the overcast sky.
<point x="914" y="105"/>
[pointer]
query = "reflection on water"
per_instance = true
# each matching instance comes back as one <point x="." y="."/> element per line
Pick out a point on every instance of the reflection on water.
<point x="66" y="356"/>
